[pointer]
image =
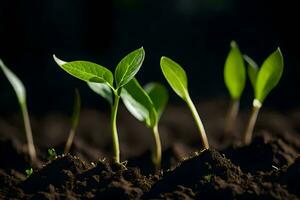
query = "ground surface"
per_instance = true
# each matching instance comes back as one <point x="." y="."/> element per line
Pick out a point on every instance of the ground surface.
<point x="268" y="168"/>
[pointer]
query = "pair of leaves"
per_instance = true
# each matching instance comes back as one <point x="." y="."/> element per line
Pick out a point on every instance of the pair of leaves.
<point x="146" y="105"/>
<point x="92" y="72"/>
<point x="235" y="72"/>
<point x="263" y="80"/>
<point x="16" y="84"/>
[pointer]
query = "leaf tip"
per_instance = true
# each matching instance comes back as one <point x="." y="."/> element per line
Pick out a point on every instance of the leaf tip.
<point x="163" y="58"/>
<point x="58" y="61"/>
<point x="233" y="44"/>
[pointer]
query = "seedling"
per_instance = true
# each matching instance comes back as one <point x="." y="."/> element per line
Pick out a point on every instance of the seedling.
<point x="235" y="80"/>
<point x="52" y="154"/>
<point x="94" y="73"/>
<point x="177" y="79"/>
<point x="21" y="95"/>
<point x="263" y="80"/>
<point x="147" y="106"/>
<point x="29" y="172"/>
<point x="74" y="122"/>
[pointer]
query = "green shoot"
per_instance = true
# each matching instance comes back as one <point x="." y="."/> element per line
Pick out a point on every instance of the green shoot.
<point x="147" y="106"/>
<point x="94" y="73"/>
<point x="52" y="154"/>
<point x="29" y="172"/>
<point x="177" y="79"/>
<point x="263" y="80"/>
<point x="21" y="95"/>
<point x="235" y="80"/>
<point x="74" y="121"/>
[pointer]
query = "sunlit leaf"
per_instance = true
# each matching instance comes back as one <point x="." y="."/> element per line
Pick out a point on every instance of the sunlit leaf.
<point x="86" y="71"/>
<point x="234" y="72"/>
<point x="269" y="75"/>
<point x="16" y="83"/>
<point x="175" y="76"/>
<point x="129" y="66"/>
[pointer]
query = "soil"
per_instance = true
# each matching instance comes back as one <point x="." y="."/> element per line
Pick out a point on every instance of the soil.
<point x="268" y="168"/>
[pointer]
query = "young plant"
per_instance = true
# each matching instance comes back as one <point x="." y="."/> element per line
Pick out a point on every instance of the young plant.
<point x="29" y="172"/>
<point x="74" y="121"/>
<point x="235" y="80"/>
<point x="94" y="73"/>
<point x="52" y="154"/>
<point x="147" y="106"/>
<point x="21" y="95"/>
<point x="177" y="79"/>
<point x="263" y="80"/>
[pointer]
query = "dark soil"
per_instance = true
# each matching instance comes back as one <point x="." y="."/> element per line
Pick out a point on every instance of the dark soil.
<point x="268" y="168"/>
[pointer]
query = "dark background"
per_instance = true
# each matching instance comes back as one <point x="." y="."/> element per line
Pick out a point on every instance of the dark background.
<point x="195" y="33"/>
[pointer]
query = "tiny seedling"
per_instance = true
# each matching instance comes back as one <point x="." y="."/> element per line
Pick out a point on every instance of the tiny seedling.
<point x="52" y="154"/>
<point x="263" y="80"/>
<point x="147" y="105"/>
<point x="235" y="80"/>
<point x="29" y="172"/>
<point x="94" y="73"/>
<point x="21" y="95"/>
<point x="74" y="121"/>
<point x="178" y="81"/>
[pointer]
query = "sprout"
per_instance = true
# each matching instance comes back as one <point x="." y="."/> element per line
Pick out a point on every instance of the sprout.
<point x="177" y="79"/>
<point x="94" y="73"/>
<point x="21" y="95"/>
<point x="147" y="106"/>
<point x="52" y="154"/>
<point x="74" y="121"/>
<point x="235" y="80"/>
<point x="263" y="80"/>
<point x="29" y="172"/>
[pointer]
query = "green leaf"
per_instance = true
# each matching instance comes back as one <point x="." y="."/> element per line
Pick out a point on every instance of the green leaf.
<point x="252" y="70"/>
<point x="235" y="72"/>
<point x="52" y="154"/>
<point x="129" y="66"/>
<point x="175" y="76"/>
<point x="159" y="96"/>
<point x="76" y="110"/>
<point x="103" y="90"/>
<point x="269" y="75"/>
<point x="29" y="172"/>
<point x="16" y="84"/>
<point x="139" y="103"/>
<point x="86" y="71"/>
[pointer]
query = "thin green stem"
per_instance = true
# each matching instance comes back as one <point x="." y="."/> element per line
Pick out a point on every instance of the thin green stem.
<point x="203" y="137"/>
<point x="31" y="148"/>
<point x="115" y="136"/>
<point x="231" y="116"/>
<point x="250" y="125"/>
<point x="156" y="157"/>
<point x="69" y="141"/>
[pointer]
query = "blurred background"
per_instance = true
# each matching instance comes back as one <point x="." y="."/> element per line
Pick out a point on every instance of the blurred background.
<point x="195" y="33"/>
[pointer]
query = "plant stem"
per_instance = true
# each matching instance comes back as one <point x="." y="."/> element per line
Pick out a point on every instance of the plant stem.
<point x="115" y="136"/>
<point x="156" y="157"/>
<point x="31" y="149"/>
<point x="69" y="141"/>
<point x="251" y="123"/>
<point x="231" y="116"/>
<point x="198" y="121"/>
